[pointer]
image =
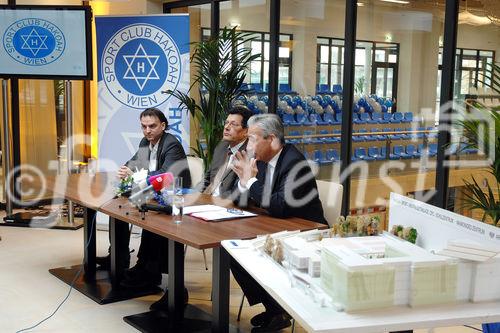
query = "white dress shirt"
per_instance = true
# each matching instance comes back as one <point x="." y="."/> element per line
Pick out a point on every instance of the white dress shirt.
<point x="153" y="156"/>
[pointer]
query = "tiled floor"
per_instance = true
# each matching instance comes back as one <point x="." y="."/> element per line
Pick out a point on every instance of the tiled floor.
<point x="28" y="293"/>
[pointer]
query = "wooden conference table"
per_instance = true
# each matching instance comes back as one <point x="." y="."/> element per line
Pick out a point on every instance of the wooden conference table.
<point x="95" y="194"/>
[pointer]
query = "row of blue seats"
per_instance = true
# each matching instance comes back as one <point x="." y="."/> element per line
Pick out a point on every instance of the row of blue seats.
<point x="370" y="135"/>
<point x="283" y="88"/>
<point x="325" y="89"/>
<point x="380" y="153"/>
<point x="336" y="119"/>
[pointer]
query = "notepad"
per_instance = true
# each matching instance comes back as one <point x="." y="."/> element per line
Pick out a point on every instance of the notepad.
<point x="216" y="213"/>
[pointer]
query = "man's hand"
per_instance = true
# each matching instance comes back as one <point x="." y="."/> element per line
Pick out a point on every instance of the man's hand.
<point x="124" y="172"/>
<point x="244" y="167"/>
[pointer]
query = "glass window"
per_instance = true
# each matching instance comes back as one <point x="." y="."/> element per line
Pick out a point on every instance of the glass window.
<point x="473" y="92"/>
<point x="310" y="23"/>
<point x="385" y="53"/>
<point x="472" y="69"/>
<point x="396" y="74"/>
<point x="259" y="66"/>
<point x="253" y="16"/>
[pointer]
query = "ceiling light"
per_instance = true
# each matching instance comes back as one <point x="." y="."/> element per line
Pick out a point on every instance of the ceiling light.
<point x="402" y="2"/>
<point x="360" y="4"/>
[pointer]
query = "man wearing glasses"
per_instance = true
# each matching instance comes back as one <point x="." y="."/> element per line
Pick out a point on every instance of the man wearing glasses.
<point x="220" y="180"/>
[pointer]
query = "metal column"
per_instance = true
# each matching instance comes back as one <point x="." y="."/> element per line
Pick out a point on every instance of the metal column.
<point x="69" y="140"/>
<point x="6" y="151"/>
<point x="446" y="98"/>
<point x="351" y="12"/>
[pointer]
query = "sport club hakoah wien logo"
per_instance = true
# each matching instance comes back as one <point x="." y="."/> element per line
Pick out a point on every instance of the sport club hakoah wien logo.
<point x="138" y="63"/>
<point x="34" y="41"/>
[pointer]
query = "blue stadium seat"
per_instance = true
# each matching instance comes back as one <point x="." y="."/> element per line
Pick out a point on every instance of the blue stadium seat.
<point x="363" y="118"/>
<point x="329" y="119"/>
<point x="375" y="118"/>
<point x="432" y="135"/>
<point x="418" y="135"/>
<point x="337" y="132"/>
<point x="308" y="140"/>
<point x="302" y="119"/>
<point x="365" y="137"/>
<point x="295" y="140"/>
<point x="256" y="87"/>
<point x="327" y="139"/>
<point x="358" y="138"/>
<point x="400" y="151"/>
<point x="318" y="157"/>
<point x="430" y="151"/>
<point x="433" y="149"/>
<point x="383" y="152"/>
<point x="338" y="119"/>
<point x="332" y="155"/>
<point x="373" y="136"/>
<point x="408" y="117"/>
<point x="337" y="89"/>
<point x="411" y="150"/>
<point x="289" y="119"/>
<point x="386" y="118"/>
<point x="284" y="88"/>
<point x="392" y="136"/>
<point x="316" y="119"/>
<point x="374" y="152"/>
<point x="397" y="118"/>
<point x="355" y="118"/>
<point x="245" y="88"/>
<point x="360" y="154"/>
<point x="405" y="136"/>
<point x="376" y="136"/>
<point x="323" y="88"/>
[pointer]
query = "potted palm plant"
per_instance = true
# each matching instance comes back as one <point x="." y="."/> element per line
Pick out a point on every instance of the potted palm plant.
<point x="487" y="197"/>
<point x="221" y="64"/>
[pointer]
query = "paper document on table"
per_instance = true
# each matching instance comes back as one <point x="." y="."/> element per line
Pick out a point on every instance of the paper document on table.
<point x="201" y="208"/>
<point x="216" y="213"/>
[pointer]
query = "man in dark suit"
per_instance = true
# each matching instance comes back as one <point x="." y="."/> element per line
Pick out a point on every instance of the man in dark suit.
<point x="220" y="179"/>
<point x="279" y="179"/>
<point x="158" y="152"/>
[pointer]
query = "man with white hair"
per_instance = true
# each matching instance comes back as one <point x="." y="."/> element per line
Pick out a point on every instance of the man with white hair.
<point x="277" y="178"/>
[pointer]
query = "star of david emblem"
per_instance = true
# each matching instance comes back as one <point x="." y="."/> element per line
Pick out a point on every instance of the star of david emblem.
<point x="34" y="42"/>
<point x="144" y="66"/>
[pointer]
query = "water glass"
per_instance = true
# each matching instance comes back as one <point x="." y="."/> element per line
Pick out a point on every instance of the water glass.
<point x="177" y="200"/>
<point x="92" y="166"/>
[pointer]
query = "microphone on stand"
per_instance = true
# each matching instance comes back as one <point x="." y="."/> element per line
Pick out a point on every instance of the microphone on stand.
<point x="146" y="189"/>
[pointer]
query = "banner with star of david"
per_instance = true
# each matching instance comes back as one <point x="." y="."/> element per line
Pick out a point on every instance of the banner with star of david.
<point x="138" y="58"/>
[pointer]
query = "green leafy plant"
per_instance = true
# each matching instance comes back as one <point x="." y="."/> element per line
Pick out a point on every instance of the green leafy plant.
<point x="488" y="139"/>
<point x="359" y="86"/>
<point x="221" y="64"/>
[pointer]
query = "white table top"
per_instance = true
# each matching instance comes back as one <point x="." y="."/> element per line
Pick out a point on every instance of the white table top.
<point x="315" y="318"/>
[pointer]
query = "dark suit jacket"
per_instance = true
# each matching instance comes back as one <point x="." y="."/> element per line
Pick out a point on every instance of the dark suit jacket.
<point x="291" y="166"/>
<point x="170" y="157"/>
<point x="229" y="179"/>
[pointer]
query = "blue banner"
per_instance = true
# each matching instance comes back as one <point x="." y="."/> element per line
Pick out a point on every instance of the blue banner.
<point x="138" y="58"/>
